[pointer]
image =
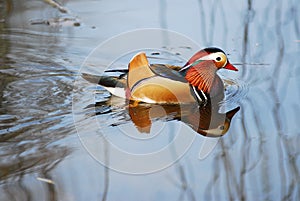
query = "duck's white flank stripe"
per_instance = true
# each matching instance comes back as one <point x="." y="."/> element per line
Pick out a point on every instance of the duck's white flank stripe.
<point x="203" y="94"/>
<point x="197" y="95"/>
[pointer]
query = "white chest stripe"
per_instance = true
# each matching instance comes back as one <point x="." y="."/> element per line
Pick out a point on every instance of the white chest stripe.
<point x="198" y="95"/>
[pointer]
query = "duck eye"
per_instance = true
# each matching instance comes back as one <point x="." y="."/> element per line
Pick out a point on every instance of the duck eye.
<point x="218" y="59"/>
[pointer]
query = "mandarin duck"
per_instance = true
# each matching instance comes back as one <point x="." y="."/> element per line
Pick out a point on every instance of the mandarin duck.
<point x="196" y="81"/>
<point x="179" y="90"/>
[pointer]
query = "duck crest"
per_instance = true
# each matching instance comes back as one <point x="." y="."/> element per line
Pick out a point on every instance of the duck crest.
<point x="203" y="78"/>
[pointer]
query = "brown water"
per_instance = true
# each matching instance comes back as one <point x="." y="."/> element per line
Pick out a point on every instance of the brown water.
<point x="42" y="155"/>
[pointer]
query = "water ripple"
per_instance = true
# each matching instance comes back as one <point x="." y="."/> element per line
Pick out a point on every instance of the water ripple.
<point x="235" y="91"/>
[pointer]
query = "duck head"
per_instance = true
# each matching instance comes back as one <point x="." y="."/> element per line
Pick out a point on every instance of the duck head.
<point x="200" y="70"/>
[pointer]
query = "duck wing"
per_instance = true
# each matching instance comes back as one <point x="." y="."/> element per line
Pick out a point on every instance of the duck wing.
<point x="164" y="70"/>
<point x="168" y="71"/>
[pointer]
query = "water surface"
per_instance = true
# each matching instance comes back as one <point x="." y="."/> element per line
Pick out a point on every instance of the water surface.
<point x="42" y="157"/>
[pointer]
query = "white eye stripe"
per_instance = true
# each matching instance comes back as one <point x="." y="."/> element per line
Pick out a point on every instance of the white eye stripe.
<point x="208" y="57"/>
<point x="214" y="56"/>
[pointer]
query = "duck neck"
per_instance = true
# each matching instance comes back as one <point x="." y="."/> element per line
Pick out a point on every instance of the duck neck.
<point x="205" y="79"/>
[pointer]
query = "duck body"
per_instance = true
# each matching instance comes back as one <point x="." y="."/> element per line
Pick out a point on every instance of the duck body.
<point x="162" y="91"/>
<point x="196" y="81"/>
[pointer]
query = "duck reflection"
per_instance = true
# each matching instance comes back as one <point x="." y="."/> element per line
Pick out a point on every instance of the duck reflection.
<point x="205" y="120"/>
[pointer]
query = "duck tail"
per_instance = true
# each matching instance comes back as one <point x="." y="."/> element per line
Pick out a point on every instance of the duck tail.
<point x="114" y="85"/>
<point x="103" y="80"/>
